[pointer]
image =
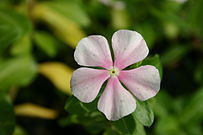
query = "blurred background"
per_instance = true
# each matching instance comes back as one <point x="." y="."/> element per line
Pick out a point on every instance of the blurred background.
<point x="37" y="41"/>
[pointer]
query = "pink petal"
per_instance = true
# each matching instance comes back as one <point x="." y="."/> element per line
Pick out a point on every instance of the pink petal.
<point x="93" y="51"/>
<point x="116" y="102"/>
<point x="86" y="83"/>
<point x="143" y="82"/>
<point x="129" y="47"/>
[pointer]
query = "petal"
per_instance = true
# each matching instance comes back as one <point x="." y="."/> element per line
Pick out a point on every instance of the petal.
<point x="93" y="51"/>
<point x="116" y="102"/>
<point x="86" y="83"/>
<point x="129" y="47"/>
<point x="143" y="82"/>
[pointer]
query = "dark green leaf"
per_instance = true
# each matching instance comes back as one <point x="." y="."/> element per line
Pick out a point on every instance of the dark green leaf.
<point x="7" y="116"/>
<point x="144" y="113"/>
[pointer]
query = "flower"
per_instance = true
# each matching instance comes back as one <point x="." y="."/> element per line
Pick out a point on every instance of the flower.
<point x="116" y="101"/>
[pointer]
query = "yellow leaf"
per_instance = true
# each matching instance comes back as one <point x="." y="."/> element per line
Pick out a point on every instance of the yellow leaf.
<point x="58" y="73"/>
<point x="32" y="110"/>
<point x="66" y="29"/>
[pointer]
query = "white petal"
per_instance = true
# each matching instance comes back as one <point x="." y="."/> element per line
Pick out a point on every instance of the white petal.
<point x="93" y="51"/>
<point x="129" y="47"/>
<point x="86" y="83"/>
<point x="143" y="82"/>
<point x="116" y="102"/>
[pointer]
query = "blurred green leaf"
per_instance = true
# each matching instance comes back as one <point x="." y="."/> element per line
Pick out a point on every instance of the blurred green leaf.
<point x="46" y="43"/>
<point x="174" y="54"/>
<point x="18" y="71"/>
<point x="126" y="125"/>
<point x="160" y="104"/>
<point x="71" y="10"/>
<point x="194" y="129"/>
<point x="73" y="105"/>
<point x="110" y="131"/>
<point x="168" y="126"/>
<point x="193" y="111"/>
<point x="198" y="75"/>
<point x="194" y="17"/>
<point x="7" y="116"/>
<point x="12" y="27"/>
<point x="65" y="28"/>
<point x="140" y="130"/>
<point x="23" y="46"/>
<point x="120" y="18"/>
<point x="19" y="131"/>
<point x="84" y="114"/>
<point x="144" y="113"/>
<point x="154" y="61"/>
<point x="148" y="33"/>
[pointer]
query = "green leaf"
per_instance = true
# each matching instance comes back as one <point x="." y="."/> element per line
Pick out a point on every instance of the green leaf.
<point x="148" y="33"/>
<point x="139" y="128"/>
<point x="174" y="54"/>
<point x="120" y="18"/>
<point x="144" y="113"/>
<point x="19" y="131"/>
<point x="12" y="27"/>
<point x="73" y="105"/>
<point x="46" y="43"/>
<point x="194" y="17"/>
<point x="71" y="10"/>
<point x="160" y="104"/>
<point x="136" y="65"/>
<point x="15" y="72"/>
<point x="126" y="125"/>
<point x="111" y="131"/>
<point x="83" y="114"/>
<point x="7" y="116"/>
<point x="66" y="29"/>
<point x="168" y="126"/>
<point x="198" y="75"/>
<point x="193" y="111"/>
<point x="23" y="46"/>
<point x="154" y="61"/>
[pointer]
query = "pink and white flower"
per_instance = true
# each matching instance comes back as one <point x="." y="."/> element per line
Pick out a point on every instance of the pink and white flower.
<point x="129" y="47"/>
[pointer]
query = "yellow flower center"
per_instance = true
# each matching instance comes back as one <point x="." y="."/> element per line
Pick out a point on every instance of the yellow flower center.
<point x="114" y="72"/>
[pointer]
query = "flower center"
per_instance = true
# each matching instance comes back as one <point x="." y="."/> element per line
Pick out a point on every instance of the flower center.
<point x="114" y="72"/>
